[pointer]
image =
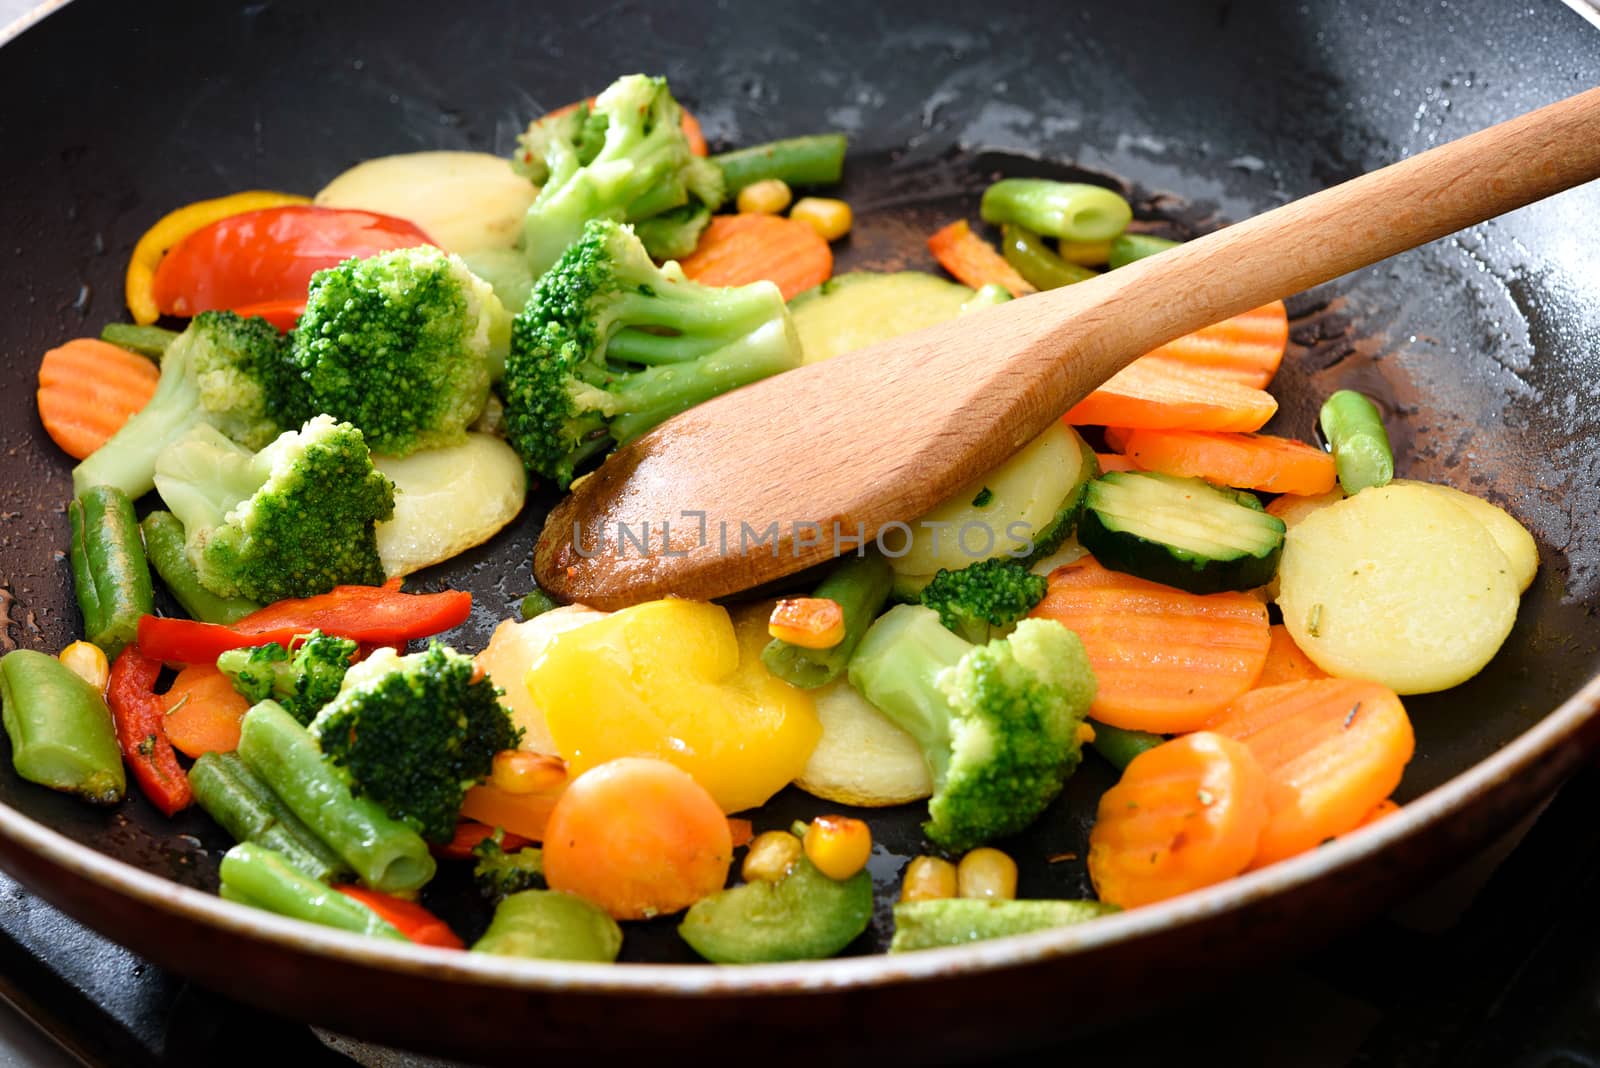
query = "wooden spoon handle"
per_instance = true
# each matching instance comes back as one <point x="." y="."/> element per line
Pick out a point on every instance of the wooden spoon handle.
<point x="1320" y="237"/>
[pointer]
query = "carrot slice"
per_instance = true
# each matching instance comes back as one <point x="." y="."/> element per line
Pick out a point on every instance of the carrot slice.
<point x="1246" y="461"/>
<point x="1332" y="749"/>
<point x="203" y="711"/>
<point x="1286" y="662"/>
<point x="1166" y="661"/>
<point x="1387" y="807"/>
<point x="1169" y="396"/>
<point x="974" y="261"/>
<point x="1187" y="814"/>
<point x="1114" y="461"/>
<point x="1246" y="349"/>
<point x="736" y="250"/>
<point x="87" y="389"/>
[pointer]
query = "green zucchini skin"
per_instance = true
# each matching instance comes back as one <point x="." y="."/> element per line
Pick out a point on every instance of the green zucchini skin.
<point x="1251" y="541"/>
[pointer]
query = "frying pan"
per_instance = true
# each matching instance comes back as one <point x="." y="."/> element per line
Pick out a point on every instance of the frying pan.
<point x="1483" y="349"/>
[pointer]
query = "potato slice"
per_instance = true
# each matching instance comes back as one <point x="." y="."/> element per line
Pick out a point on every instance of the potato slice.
<point x="1398" y="585"/>
<point x="466" y="201"/>
<point x="448" y="500"/>
<point x="1512" y="537"/>
<point x="862" y="758"/>
<point x="512" y="650"/>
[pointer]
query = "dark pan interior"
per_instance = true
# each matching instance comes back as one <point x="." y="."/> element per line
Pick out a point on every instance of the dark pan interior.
<point x="1483" y="348"/>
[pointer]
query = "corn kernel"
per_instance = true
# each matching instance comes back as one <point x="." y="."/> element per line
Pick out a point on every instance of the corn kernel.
<point x="517" y="771"/>
<point x="838" y="845"/>
<point x="928" y="879"/>
<point x="766" y="197"/>
<point x="987" y="873"/>
<point x="1085" y="733"/>
<point x="88" y="662"/>
<point x="1086" y="253"/>
<point x="771" y="856"/>
<point x="829" y="217"/>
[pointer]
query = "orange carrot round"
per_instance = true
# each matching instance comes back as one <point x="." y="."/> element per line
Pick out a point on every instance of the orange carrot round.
<point x="87" y="389"/>
<point x="973" y="261"/>
<point x="1166" y="661"/>
<point x="1286" y="662"/>
<point x="639" y="838"/>
<point x="203" y="711"/>
<point x="1246" y="349"/>
<point x="1167" y="395"/>
<point x="1332" y="749"/>
<point x="736" y="250"/>
<point x="1245" y="461"/>
<point x="1186" y="814"/>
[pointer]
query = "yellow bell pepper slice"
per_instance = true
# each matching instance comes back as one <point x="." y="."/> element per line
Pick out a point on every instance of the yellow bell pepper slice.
<point x="139" y="284"/>
<point x="677" y="680"/>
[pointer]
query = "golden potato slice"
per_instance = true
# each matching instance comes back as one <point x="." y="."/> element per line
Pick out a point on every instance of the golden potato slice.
<point x="448" y="500"/>
<point x="466" y="201"/>
<point x="1512" y="537"/>
<point x="862" y="758"/>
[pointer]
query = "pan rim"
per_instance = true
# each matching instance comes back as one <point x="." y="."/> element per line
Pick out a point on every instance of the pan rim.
<point x="807" y="977"/>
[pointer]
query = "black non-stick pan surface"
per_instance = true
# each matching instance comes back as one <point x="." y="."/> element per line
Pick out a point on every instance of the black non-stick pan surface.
<point x="1483" y="349"/>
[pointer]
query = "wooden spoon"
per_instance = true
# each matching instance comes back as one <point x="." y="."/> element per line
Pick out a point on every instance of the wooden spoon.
<point x="753" y="485"/>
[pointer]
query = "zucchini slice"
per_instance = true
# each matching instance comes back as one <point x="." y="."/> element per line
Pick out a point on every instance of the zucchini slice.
<point x="1182" y="532"/>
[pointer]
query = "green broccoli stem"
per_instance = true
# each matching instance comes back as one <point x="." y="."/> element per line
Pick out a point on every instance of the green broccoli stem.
<point x="256" y="876"/>
<point x="817" y="159"/>
<point x="249" y="811"/>
<point x="693" y="312"/>
<point x="165" y="547"/>
<point x="860" y="586"/>
<point x="1120" y="746"/>
<point x="151" y="341"/>
<point x="896" y="667"/>
<point x="385" y="854"/>
<point x="127" y="460"/>
<point x="655" y="394"/>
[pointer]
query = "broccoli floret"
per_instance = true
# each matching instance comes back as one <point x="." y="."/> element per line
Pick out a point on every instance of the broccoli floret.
<point x="302" y="681"/>
<point x="414" y="732"/>
<point x="610" y="345"/>
<point x="295" y="519"/>
<point x="224" y="371"/>
<point x="623" y="158"/>
<point x="500" y="874"/>
<point x="982" y="600"/>
<point x="998" y="723"/>
<point x="403" y="345"/>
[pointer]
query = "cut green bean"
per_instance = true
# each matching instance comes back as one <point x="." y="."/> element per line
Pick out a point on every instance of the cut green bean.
<point x="860" y="585"/>
<point x="986" y="297"/>
<point x="256" y="876"/>
<point x="1086" y="253"/>
<point x="1130" y="247"/>
<point x="1036" y="261"/>
<point x="165" y="548"/>
<point x="1070" y="211"/>
<point x="60" y="728"/>
<point x="817" y="159"/>
<point x="955" y="921"/>
<point x="550" y="925"/>
<point x="385" y="854"/>
<point x="1354" y="429"/>
<point x="109" y="572"/>
<point x="537" y="603"/>
<point x="1120" y="746"/>
<point x="249" y="811"/>
<point x="151" y="341"/>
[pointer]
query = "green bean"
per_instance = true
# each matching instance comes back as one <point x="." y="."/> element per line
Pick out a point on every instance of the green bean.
<point x="385" y="854"/>
<point x="1036" y="262"/>
<point x="1120" y="746"/>
<point x="550" y="925"/>
<point x="537" y="603"/>
<point x="109" y="572"/>
<point x="1354" y="429"/>
<point x="814" y="160"/>
<point x="164" y="545"/>
<point x="1129" y="247"/>
<point x="60" y="728"/>
<point x="1070" y="211"/>
<point x="256" y="876"/>
<point x="987" y="296"/>
<point x="249" y="811"/>
<point x="151" y="341"/>
<point x="860" y="584"/>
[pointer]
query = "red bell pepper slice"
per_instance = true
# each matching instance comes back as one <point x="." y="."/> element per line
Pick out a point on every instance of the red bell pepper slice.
<point x="408" y="917"/>
<point x="270" y="255"/>
<point x="372" y="615"/>
<point x="139" y="716"/>
<point x="283" y="314"/>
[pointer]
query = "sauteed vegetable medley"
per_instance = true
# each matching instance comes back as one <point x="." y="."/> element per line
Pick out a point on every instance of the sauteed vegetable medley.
<point x="352" y="387"/>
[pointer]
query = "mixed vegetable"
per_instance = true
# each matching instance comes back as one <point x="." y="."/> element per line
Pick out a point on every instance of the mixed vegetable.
<point x="366" y="380"/>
